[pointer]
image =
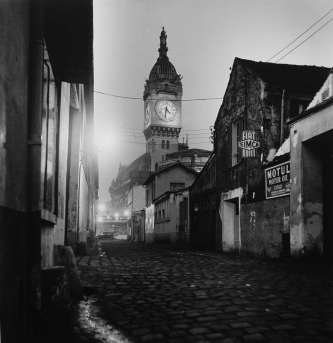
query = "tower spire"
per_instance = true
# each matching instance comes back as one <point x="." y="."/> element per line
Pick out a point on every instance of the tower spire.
<point x="163" y="45"/>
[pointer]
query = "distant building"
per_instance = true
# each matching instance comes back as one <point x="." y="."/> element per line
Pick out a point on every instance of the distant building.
<point x="161" y="187"/>
<point x="194" y="158"/>
<point x="162" y="121"/>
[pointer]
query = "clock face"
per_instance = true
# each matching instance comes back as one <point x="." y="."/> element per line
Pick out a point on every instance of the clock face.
<point x="147" y="113"/>
<point x="165" y="109"/>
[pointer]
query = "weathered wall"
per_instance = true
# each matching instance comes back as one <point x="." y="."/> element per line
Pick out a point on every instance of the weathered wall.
<point x="203" y="231"/>
<point x="149" y="224"/>
<point x="306" y="198"/>
<point x="174" y="175"/>
<point x="75" y="124"/>
<point x="59" y="234"/>
<point x="167" y="230"/>
<point x="14" y="77"/>
<point x="262" y="225"/>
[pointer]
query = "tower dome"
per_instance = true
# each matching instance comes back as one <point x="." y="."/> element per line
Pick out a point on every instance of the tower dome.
<point x="163" y="68"/>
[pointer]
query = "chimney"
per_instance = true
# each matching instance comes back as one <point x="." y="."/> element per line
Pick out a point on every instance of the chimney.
<point x="193" y="161"/>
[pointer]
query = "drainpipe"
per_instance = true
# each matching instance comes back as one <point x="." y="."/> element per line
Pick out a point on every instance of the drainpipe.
<point x="78" y="203"/>
<point x="282" y="117"/>
<point x="36" y="59"/>
<point x="47" y="129"/>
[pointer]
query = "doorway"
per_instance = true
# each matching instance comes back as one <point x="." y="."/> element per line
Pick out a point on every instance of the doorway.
<point x="231" y="225"/>
<point x="328" y="203"/>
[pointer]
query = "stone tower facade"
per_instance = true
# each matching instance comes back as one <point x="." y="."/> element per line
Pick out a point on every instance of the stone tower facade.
<point x="162" y="107"/>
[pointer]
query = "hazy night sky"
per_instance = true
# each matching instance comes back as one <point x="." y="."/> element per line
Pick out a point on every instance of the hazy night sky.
<point x="204" y="37"/>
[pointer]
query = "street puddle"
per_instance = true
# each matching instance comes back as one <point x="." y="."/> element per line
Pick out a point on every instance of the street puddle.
<point x="92" y="324"/>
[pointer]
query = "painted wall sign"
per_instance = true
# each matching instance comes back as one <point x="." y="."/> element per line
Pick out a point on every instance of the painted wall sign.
<point x="277" y="180"/>
<point x="248" y="144"/>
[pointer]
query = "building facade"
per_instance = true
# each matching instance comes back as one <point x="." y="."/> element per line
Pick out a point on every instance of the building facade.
<point x="46" y="74"/>
<point x="311" y="170"/>
<point x="249" y="129"/>
<point x="203" y="208"/>
<point x="158" y="222"/>
<point x="194" y="158"/>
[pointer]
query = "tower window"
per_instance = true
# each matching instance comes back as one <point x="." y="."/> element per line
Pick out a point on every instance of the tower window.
<point x="163" y="144"/>
<point x="167" y="144"/>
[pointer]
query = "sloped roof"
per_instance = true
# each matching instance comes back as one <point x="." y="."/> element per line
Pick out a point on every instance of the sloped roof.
<point x="321" y="100"/>
<point x="189" y="153"/>
<point x="302" y="77"/>
<point x="173" y="165"/>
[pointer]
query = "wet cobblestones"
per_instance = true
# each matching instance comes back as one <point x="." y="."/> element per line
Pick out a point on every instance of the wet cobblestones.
<point x="157" y="293"/>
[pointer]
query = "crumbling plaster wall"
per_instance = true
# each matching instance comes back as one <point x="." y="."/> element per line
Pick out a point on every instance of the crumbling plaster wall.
<point x="262" y="224"/>
<point x="259" y="106"/>
<point x="306" y="200"/>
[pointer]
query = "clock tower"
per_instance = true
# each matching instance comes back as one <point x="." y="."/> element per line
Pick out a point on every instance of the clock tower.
<point x="162" y="106"/>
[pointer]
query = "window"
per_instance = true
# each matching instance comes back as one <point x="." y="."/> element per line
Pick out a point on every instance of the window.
<point x="236" y="136"/>
<point x="163" y="214"/>
<point x="163" y="144"/>
<point x="167" y="144"/>
<point x="152" y="191"/>
<point x="147" y="197"/>
<point x="296" y="107"/>
<point x="50" y="130"/>
<point x="174" y="185"/>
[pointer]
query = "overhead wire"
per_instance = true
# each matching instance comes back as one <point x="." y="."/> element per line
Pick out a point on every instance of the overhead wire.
<point x="134" y="98"/>
<point x="304" y="41"/>
<point x="301" y="36"/>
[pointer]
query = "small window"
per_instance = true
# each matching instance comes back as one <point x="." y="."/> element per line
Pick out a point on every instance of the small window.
<point x="236" y="134"/>
<point x="167" y="144"/>
<point x="163" y="214"/>
<point x="163" y="144"/>
<point x="147" y="197"/>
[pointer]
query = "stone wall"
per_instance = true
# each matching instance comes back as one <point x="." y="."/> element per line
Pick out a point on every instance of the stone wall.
<point x="262" y="225"/>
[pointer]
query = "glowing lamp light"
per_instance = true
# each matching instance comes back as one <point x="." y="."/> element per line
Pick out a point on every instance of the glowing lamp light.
<point x="126" y="213"/>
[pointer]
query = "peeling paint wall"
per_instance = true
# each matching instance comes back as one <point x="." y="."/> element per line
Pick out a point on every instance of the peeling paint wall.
<point x="229" y="207"/>
<point x="262" y="226"/>
<point x="306" y="198"/>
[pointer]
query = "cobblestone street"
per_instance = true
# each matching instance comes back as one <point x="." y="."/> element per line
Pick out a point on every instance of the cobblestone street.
<point x="160" y="293"/>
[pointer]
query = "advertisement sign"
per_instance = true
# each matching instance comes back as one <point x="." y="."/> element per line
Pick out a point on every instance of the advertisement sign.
<point x="248" y="144"/>
<point x="277" y="180"/>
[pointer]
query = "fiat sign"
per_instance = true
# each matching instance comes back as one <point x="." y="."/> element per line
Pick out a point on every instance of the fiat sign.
<point x="249" y="144"/>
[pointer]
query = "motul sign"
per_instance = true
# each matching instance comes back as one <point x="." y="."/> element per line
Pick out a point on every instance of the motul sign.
<point x="249" y="144"/>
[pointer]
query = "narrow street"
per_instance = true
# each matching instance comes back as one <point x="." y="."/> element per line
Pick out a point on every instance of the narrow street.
<point x="140" y="292"/>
